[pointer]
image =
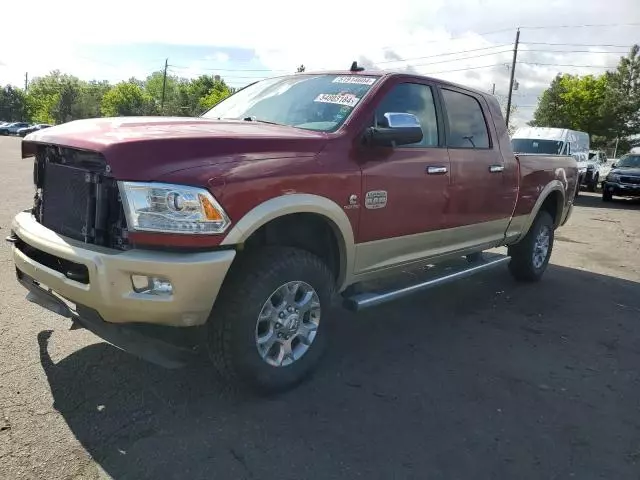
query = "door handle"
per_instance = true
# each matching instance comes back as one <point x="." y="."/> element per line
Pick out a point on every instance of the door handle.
<point x="496" y="168"/>
<point x="436" y="170"/>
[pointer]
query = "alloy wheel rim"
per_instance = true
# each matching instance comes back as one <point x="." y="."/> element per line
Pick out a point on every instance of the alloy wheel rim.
<point x="541" y="247"/>
<point x="288" y="323"/>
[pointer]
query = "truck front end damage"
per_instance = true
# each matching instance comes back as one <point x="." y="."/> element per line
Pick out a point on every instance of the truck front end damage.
<point x="71" y="251"/>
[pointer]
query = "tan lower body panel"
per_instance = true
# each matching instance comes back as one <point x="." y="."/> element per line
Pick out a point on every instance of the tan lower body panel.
<point x="196" y="277"/>
<point x="400" y="251"/>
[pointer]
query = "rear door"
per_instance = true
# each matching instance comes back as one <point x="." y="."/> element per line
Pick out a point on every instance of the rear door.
<point x="404" y="187"/>
<point x="483" y="188"/>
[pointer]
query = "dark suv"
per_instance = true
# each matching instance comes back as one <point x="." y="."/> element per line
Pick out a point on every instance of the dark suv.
<point x="624" y="178"/>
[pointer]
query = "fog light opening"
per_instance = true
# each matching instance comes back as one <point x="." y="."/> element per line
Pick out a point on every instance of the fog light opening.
<point x="151" y="285"/>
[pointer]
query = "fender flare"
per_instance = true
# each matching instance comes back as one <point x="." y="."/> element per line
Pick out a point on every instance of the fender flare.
<point x="551" y="187"/>
<point x="293" y="203"/>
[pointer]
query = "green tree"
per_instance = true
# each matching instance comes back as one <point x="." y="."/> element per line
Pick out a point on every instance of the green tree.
<point x="127" y="99"/>
<point x="13" y="106"/>
<point x="218" y="92"/>
<point x="606" y="106"/>
<point x="622" y="100"/>
<point x="153" y="87"/>
<point x="574" y="102"/>
<point x="300" y="69"/>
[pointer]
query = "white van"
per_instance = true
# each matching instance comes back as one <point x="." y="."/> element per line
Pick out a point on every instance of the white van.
<point x="554" y="141"/>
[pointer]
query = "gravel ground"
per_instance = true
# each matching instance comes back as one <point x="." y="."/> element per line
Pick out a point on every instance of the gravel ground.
<point x="481" y="379"/>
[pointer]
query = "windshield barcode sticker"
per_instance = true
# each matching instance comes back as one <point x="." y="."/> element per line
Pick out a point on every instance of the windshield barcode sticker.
<point x="355" y="80"/>
<point x="347" y="99"/>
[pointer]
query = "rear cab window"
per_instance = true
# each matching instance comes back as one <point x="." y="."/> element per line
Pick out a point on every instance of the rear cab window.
<point x="467" y="126"/>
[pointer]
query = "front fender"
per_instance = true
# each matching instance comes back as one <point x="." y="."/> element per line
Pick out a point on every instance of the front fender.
<point x="301" y="203"/>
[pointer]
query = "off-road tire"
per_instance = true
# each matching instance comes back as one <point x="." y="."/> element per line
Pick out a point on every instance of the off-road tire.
<point x="231" y="327"/>
<point x="593" y="186"/>
<point x="521" y="266"/>
<point x="606" y="195"/>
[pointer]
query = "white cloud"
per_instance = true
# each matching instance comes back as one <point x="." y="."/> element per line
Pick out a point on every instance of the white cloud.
<point x="327" y="34"/>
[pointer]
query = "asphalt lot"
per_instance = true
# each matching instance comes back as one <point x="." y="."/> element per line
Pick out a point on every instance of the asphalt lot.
<point x="481" y="379"/>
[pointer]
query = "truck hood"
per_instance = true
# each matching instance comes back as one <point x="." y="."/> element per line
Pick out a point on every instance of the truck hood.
<point x="634" y="172"/>
<point x="144" y="148"/>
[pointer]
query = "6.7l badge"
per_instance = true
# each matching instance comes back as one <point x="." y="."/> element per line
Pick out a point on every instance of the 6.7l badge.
<point x="375" y="199"/>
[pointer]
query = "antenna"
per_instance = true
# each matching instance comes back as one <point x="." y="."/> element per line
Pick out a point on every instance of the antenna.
<point x="355" y="67"/>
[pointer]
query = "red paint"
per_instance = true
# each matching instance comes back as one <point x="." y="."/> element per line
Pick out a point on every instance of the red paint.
<point x="477" y="195"/>
<point x="246" y="163"/>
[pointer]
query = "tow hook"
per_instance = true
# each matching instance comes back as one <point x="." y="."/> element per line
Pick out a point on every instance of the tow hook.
<point x="12" y="238"/>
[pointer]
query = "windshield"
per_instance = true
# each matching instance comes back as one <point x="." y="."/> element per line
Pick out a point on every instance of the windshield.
<point x="313" y="102"/>
<point x="629" y="161"/>
<point x="536" y="145"/>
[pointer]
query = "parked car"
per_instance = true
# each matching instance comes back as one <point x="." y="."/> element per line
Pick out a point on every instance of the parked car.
<point x="12" y="128"/>
<point x="624" y="178"/>
<point x="605" y="168"/>
<point x="596" y="169"/>
<point x="233" y="232"/>
<point x="27" y="130"/>
<point x="555" y="141"/>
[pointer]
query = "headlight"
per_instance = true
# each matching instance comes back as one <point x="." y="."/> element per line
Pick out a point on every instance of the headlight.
<point x="161" y="207"/>
<point x="612" y="177"/>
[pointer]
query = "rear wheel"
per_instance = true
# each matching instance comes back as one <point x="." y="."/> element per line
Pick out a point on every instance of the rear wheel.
<point x="268" y="328"/>
<point x="530" y="257"/>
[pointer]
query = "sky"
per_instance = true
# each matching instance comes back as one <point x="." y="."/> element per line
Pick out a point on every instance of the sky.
<point x="466" y="41"/>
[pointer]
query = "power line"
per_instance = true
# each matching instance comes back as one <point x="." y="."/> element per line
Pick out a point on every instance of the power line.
<point x="576" y="45"/>
<point x="467" y="68"/>
<point x="225" y="76"/>
<point x="460" y="37"/>
<point x="564" y="65"/>
<point x="230" y="69"/>
<point x="571" y="51"/>
<point x="460" y="59"/>
<point x="593" y="25"/>
<point x="445" y="54"/>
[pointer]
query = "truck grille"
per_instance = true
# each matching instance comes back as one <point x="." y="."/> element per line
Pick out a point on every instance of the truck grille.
<point x="66" y="200"/>
<point x="630" y="180"/>
<point x="77" y="198"/>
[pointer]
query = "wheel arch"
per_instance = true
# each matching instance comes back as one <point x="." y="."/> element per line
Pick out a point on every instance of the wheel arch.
<point x="552" y="199"/>
<point x="279" y="208"/>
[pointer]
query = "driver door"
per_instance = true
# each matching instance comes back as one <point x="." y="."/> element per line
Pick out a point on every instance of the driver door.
<point x="405" y="188"/>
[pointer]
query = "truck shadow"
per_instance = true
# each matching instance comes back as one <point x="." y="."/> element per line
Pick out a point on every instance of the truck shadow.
<point x="594" y="200"/>
<point x="481" y="379"/>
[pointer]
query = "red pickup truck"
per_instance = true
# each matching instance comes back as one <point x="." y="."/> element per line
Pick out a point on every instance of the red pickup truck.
<point x="233" y="233"/>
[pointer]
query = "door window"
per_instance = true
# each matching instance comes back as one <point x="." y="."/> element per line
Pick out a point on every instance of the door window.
<point x="467" y="126"/>
<point x="416" y="99"/>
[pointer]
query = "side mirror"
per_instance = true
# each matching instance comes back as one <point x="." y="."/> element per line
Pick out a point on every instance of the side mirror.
<point x="613" y="165"/>
<point x="399" y="129"/>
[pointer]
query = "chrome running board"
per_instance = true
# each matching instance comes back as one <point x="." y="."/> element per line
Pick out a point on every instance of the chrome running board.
<point x="360" y="301"/>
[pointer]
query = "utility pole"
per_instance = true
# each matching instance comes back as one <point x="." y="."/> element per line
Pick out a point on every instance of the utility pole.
<point x="513" y="73"/>
<point x="493" y="89"/>
<point x="26" y="81"/>
<point x="164" y="85"/>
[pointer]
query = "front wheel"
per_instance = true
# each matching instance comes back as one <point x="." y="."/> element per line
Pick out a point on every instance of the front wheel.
<point x="268" y="328"/>
<point x="606" y="195"/>
<point x="593" y="186"/>
<point x="530" y="256"/>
